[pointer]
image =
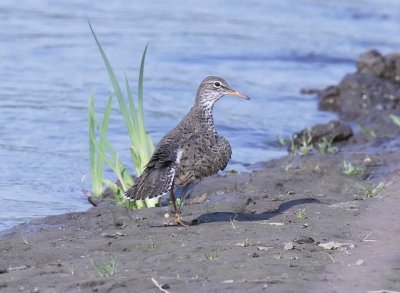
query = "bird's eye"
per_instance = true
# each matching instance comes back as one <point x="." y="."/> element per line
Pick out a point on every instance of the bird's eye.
<point x="217" y="84"/>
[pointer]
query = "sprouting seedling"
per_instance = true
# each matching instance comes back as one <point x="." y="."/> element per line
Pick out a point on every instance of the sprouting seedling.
<point x="301" y="214"/>
<point x="211" y="255"/>
<point x="306" y="143"/>
<point x="351" y="170"/>
<point x="107" y="268"/>
<point x="371" y="191"/>
<point x="325" y="146"/>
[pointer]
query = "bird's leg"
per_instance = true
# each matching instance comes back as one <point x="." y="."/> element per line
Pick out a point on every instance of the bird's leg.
<point x="184" y="193"/>
<point x="178" y="219"/>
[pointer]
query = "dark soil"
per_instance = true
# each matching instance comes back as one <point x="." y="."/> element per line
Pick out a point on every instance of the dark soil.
<point x="265" y="231"/>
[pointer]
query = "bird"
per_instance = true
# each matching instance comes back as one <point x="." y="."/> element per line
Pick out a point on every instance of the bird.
<point x="191" y="151"/>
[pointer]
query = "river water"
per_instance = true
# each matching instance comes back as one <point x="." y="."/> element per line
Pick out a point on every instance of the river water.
<point x="49" y="65"/>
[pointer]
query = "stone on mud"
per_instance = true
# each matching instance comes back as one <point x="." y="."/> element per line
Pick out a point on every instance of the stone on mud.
<point x="375" y="85"/>
<point x="333" y="131"/>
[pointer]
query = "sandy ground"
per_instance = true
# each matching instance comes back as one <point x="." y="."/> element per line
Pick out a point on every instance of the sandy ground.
<point x="250" y="236"/>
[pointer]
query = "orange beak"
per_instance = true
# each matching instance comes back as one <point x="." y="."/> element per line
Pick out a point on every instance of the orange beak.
<point x="232" y="92"/>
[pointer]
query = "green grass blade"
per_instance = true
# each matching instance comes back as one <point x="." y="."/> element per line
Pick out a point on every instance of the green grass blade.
<point x="119" y="172"/>
<point x="133" y="112"/>
<point x="115" y="84"/>
<point x="136" y="160"/>
<point x="95" y="172"/>
<point x="108" y="147"/>
<point x="114" y="187"/>
<point x="150" y="143"/>
<point x="106" y="121"/>
<point x="395" y="119"/>
<point x="103" y="132"/>
<point x="140" y="90"/>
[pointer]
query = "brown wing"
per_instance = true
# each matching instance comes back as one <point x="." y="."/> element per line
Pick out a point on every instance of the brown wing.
<point x="202" y="156"/>
<point x="157" y="178"/>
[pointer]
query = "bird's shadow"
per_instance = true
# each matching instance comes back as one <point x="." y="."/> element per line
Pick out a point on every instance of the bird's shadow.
<point x="229" y="216"/>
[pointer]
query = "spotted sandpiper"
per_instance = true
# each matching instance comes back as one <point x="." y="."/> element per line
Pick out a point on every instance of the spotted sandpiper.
<point x="191" y="151"/>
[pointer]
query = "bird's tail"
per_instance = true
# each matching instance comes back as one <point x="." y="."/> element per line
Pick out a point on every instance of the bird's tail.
<point x="158" y="176"/>
<point x="152" y="183"/>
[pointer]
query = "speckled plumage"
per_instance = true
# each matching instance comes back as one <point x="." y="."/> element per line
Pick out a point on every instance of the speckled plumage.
<point x="191" y="151"/>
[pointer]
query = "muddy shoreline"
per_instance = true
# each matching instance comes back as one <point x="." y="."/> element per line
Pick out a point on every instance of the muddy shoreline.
<point x="298" y="225"/>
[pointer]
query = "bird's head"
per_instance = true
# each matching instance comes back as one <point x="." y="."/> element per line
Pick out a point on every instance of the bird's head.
<point x="212" y="89"/>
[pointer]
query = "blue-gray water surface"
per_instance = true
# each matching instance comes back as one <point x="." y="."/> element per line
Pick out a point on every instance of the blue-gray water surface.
<point x="49" y="65"/>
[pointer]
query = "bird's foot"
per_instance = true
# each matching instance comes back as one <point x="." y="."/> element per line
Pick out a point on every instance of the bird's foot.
<point x="179" y="221"/>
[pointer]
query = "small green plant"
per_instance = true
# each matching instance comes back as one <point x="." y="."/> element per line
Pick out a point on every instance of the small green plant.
<point x="287" y="167"/>
<point x="290" y="142"/>
<point x="107" y="268"/>
<point x="306" y="143"/>
<point x="368" y="131"/>
<point x="97" y="150"/>
<point x="141" y="143"/>
<point x="211" y="255"/>
<point x="351" y="170"/>
<point x="395" y="119"/>
<point x="100" y="148"/>
<point x="96" y="160"/>
<point x="371" y="191"/>
<point x="281" y="140"/>
<point x="325" y="147"/>
<point x="301" y="214"/>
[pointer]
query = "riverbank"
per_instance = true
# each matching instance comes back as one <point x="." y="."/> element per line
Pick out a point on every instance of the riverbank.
<point x="299" y="224"/>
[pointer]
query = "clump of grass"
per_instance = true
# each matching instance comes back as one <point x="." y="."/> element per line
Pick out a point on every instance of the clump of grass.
<point x="141" y="143"/>
<point x="351" y="170"/>
<point x="301" y="214"/>
<point x="305" y="147"/>
<point x="96" y="159"/>
<point x="371" y="191"/>
<point x="325" y="147"/>
<point x="211" y="255"/>
<point x="107" y="268"/>
<point x="306" y="143"/>
<point x="100" y="148"/>
<point x="395" y="119"/>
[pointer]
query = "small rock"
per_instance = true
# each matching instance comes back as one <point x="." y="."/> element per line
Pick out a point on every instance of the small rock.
<point x="332" y="245"/>
<point x="304" y="240"/>
<point x="264" y="248"/>
<point x="371" y="63"/>
<point x="276" y="224"/>
<point x="333" y="131"/>
<point x="288" y="246"/>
